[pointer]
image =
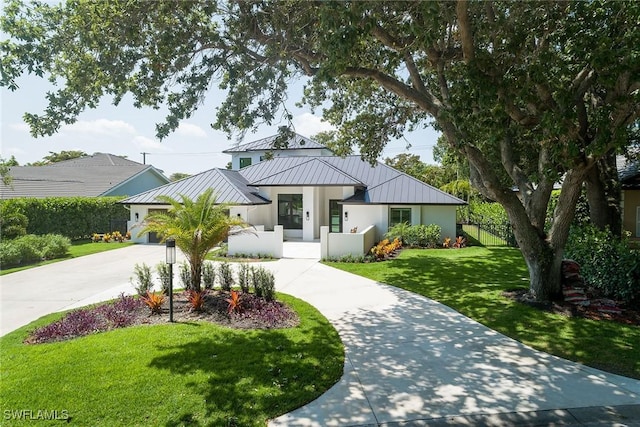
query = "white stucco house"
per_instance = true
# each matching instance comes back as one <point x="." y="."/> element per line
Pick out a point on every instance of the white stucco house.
<point x="304" y="189"/>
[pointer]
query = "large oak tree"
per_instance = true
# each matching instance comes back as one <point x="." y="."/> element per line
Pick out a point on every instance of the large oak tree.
<point x="531" y="93"/>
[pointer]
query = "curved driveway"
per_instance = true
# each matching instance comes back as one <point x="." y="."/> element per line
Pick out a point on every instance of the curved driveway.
<point x="409" y="360"/>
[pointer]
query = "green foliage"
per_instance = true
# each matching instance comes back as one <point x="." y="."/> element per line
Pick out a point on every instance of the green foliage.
<point x="162" y="269"/>
<point x="264" y="283"/>
<point x="59" y="157"/>
<point x="492" y="212"/>
<point x="225" y="275"/>
<point x="184" y="271"/>
<point x="31" y="248"/>
<point x="142" y="281"/>
<point x="244" y="277"/>
<point x="423" y="236"/>
<point x="208" y="275"/>
<point x="13" y="223"/>
<point x="197" y="226"/>
<point x="606" y="262"/>
<point x="74" y="217"/>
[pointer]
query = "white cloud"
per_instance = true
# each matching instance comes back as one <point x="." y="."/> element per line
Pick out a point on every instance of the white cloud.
<point x="100" y="127"/>
<point x="308" y="125"/>
<point x="145" y="143"/>
<point x="19" y="127"/>
<point x="191" y="130"/>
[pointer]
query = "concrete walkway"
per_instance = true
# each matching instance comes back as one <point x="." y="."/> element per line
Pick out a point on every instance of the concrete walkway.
<point x="409" y="360"/>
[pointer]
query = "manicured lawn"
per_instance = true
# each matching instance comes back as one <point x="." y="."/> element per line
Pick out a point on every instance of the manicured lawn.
<point x="78" y="249"/>
<point x="174" y="374"/>
<point x="471" y="281"/>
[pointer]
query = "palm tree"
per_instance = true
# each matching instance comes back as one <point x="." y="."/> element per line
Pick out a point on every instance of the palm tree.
<point x="197" y="227"/>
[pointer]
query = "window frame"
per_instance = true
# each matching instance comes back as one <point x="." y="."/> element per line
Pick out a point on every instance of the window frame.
<point x="402" y="219"/>
<point x="244" y="160"/>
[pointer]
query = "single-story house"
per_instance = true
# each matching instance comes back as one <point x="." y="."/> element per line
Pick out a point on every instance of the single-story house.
<point x="629" y="173"/>
<point x="100" y="174"/>
<point x="305" y="187"/>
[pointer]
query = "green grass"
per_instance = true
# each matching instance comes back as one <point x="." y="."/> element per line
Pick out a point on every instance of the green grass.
<point x="472" y="280"/>
<point x="197" y="373"/>
<point x="77" y="249"/>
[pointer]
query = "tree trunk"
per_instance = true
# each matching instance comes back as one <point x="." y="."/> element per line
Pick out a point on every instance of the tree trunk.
<point x="603" y="195"/>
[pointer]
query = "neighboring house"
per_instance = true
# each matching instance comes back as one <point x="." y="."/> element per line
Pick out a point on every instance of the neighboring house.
<point x="304" y="193"/>
<point x="629" y="173"/>
<point x="100" y="174"/>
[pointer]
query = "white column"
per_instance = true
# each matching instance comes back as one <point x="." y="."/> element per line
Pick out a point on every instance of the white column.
<point x="308" y="213"/>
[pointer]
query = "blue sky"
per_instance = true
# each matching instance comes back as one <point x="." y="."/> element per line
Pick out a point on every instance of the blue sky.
<point x="128" y="131"/>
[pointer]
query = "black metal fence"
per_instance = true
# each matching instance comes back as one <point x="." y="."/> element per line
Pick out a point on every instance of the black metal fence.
<point x="489" y="233"/>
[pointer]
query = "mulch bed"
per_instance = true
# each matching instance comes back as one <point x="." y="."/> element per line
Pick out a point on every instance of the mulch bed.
<point x="574" y="306"/>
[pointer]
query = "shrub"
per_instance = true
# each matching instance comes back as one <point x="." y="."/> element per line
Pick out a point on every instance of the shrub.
<point x="264" y="283"/>
<point x="606" y="262"/>
<point x="142" y="281"/>
<point x="119" y="314"/>
<point x="244" y="277"/>
<point x="385" y="248"/>
<point x="73" y="217"/>
<point x="13" y="223"/>
<point x="185" y="275"/>
<point x="54" y="246"/>
<point x="235" y="305"/>
<point x="423" y="236"/>
<point x="162" y="268"/>
<point x="10" y="254"/>
<point x="208" y="275"/>
<point x="154" y="301"/>
<point x="225" y="275"/>
<point x="196" y="299"/>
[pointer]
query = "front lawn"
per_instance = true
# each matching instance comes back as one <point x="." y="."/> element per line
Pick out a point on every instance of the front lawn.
<point x="472" y="280"/>
<point x="78" y="248"/>
<point x="192" y="373"/>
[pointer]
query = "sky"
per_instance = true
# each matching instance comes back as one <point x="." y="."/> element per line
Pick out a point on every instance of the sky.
<point x="127" y="131"/>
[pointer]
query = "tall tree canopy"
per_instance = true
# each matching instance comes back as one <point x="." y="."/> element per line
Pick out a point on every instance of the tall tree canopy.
<point x="529" y="92"/>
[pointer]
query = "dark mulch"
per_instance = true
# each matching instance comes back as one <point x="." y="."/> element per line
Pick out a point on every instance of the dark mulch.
<point x="628" y="315"/>
<point x="253" y="313"/>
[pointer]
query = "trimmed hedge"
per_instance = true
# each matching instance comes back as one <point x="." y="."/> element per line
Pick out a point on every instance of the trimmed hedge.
<point x="73" y="217"/>
<point x="30" y="249"/>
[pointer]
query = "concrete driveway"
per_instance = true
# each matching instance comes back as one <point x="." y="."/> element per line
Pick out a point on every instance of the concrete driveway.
<point x="409" y="360"/>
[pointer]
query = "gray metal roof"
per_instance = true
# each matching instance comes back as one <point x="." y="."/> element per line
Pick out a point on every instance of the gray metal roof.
<point x="297" y="171"/>
<point x="379" y="183"/>
<point x="91" y="176"/>
<point x="229" y="186"/>
<point x="297" y="142"/>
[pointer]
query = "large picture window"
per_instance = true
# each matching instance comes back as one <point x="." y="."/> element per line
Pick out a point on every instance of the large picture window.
<point x="290" y="211"/>
<point x="399" y="215"/>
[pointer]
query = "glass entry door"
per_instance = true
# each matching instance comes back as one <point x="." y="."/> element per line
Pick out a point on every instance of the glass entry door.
<point x="335" y="216"/>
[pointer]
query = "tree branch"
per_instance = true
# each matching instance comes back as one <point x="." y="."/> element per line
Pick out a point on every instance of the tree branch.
<point x="466" y="32"/>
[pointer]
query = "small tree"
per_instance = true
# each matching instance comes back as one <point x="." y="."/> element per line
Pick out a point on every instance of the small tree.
<point x="197" y="226"/>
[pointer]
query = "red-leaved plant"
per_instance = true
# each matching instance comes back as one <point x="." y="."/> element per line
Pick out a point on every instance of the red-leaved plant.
<point x="154" y="301"/>
<point x="234" y="302"/>
<point x="196" y="299"/>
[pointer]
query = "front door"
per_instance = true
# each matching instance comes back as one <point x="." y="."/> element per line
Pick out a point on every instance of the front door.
<point x="335" y="216"/>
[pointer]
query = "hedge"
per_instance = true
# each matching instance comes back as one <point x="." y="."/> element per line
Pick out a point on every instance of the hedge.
<point x="73" y="217"/>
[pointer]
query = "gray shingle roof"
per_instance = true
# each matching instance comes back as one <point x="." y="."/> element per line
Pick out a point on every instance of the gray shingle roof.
<point x="297" y="142"/>
<point x="89" y="176"/>
<point x="229" y="186"/>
